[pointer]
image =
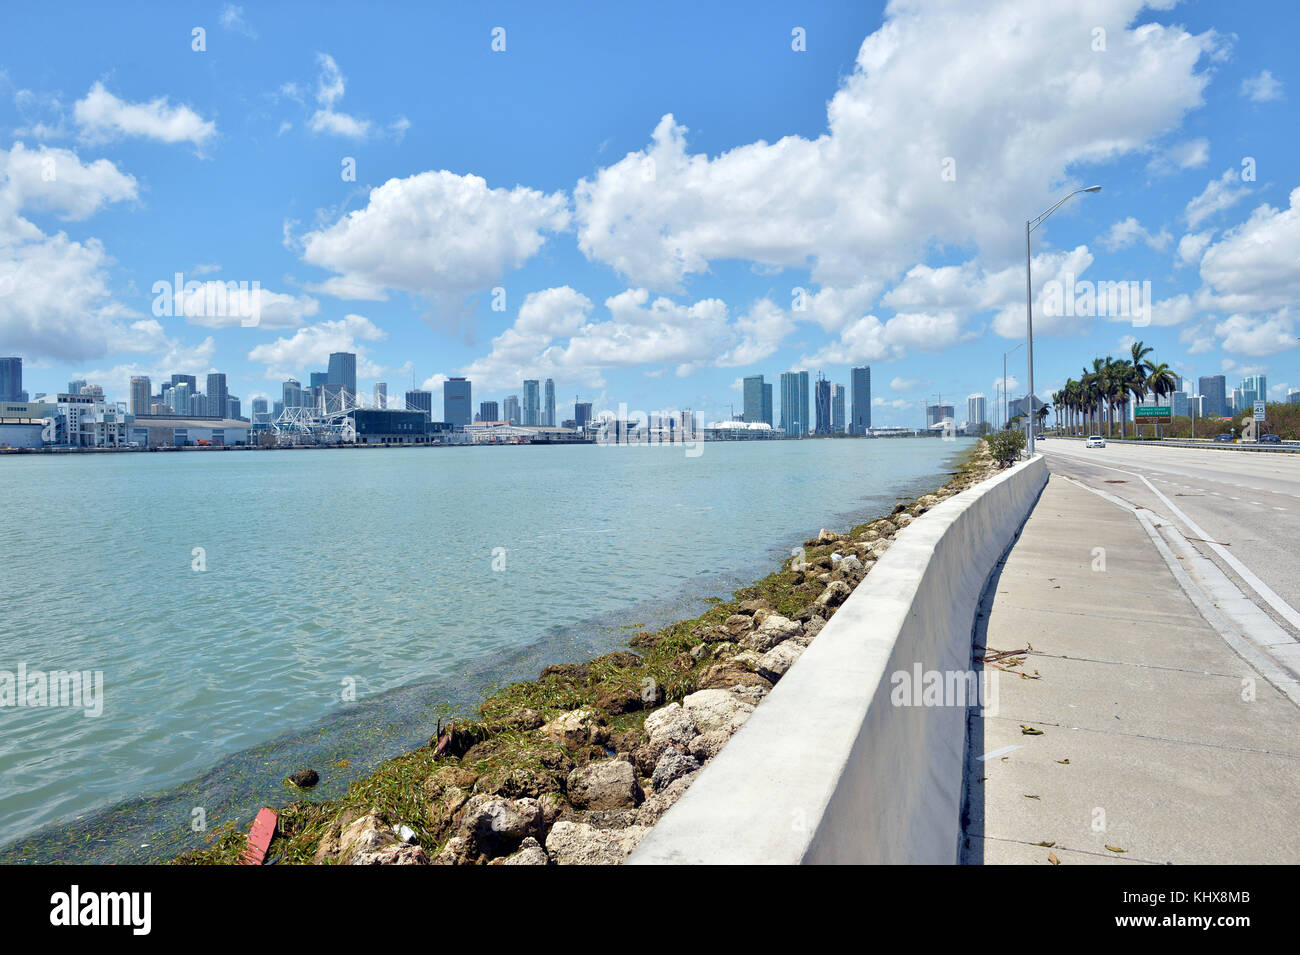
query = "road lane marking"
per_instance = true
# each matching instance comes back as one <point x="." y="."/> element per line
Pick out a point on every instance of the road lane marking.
<point x="1284" y="609"/>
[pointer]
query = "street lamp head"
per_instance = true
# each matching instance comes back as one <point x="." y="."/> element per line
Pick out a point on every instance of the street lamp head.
<point x="1093" y="189"/>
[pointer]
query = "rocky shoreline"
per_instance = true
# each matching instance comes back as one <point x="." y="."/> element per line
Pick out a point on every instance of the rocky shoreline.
<point x="576" y="766"/>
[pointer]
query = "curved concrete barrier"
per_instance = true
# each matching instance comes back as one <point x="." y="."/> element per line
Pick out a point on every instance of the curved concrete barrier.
<point x="832" y="768"/>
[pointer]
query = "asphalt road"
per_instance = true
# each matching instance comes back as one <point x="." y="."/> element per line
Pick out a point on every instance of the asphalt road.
<point x="1248" y="503"/>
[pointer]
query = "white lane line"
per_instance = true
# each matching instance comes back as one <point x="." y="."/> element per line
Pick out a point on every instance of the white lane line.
<point x="1270" y="597"/>
<point x="999" y="752"/>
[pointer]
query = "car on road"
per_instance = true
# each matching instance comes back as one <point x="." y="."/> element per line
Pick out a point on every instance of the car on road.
<point x="1223" y="438"/>
<point x="1270" y="439"/>
<point x="1095" y="441"/>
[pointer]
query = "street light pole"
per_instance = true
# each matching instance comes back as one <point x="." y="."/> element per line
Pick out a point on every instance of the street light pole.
<point x="1004" y="382"/>
<point x="1030" y="226"/>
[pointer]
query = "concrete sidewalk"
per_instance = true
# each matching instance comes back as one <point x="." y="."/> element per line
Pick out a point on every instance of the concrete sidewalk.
<point x="1157" y="738"/>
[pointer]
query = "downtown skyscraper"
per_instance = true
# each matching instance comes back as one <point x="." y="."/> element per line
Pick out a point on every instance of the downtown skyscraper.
<point x="532" y="402"/>
<point x="860" y="413"/>
<point x="794" y="403"/>
<point x="548" y="416"/>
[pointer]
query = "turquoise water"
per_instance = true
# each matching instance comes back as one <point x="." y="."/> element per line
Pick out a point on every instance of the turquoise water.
<point x="332" y="569"/>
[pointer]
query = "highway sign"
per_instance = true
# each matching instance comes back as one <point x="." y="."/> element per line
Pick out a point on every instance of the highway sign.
<point x="1259" y="411"/>
<point x="1154" y="413"/>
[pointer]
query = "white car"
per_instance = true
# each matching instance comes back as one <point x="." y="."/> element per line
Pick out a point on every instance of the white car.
<point x="1095" y="441"/>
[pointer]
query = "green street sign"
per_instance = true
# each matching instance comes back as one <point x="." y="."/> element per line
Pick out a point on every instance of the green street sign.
<point x="1153" y="411"/>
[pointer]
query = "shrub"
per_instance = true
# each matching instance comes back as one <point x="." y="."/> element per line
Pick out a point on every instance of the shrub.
<point x="1005" y="447"/>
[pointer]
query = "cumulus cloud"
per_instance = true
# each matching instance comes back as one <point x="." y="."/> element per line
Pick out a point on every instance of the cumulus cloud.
<point x="1258" y="337"/>
<point x="330" y="87"/>
<point x="310" y="347"/>
<point x="437" y="235"/>
<point x="1219" y="194"/>
<point x="1128" y="231"/>
<point x="102" y="116"/>
<point x="869" y="196"/>
<point x="1192" y="246"/>
<point x="1263" y="87"/>
<point x="1256" y="266"/>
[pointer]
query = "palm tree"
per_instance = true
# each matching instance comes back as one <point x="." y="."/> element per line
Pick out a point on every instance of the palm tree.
<point x="1160" y="380"/>
<point x="1121" y="374"/>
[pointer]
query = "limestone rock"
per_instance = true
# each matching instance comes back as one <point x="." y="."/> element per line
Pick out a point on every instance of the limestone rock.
<point x="672" y="723"/>
<point x="672" y="766"/>
<point x="717" y="709"/>
<point x="608" y="784"/>
<point x="707" y="745"/>
<point x="530" y="853"/>
<point x="573" y="729"/>
<point x="779" y="659"/>
<point x="835" y="594"/>
<point x="770" y="632"/>
<point x="574" y="843"/>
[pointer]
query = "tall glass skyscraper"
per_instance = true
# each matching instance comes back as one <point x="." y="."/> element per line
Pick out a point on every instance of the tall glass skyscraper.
<point x="549" y="418"/>
<point x="342" y="372"/>
<point x="860" y="415"/>
<point x="794" y="403"/>
<point x="511" y="411"/>
<point x="217" y="395"/>
<point x="837" y="410"/>
<point x="1214" y="394"/>
<point x="141" y="392"/>
<point x="456" y="402"/>
<point x="532" y="402"/>
<point x="823" y="411"/>
<point x="753" y="392"/>
<point x="11" y="379"/>
<point x="977" y="411"/>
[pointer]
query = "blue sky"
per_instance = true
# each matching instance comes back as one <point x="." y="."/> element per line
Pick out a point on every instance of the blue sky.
<point x="647" y="186"/>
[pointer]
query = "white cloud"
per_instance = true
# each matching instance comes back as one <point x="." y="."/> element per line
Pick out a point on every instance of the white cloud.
<point x="867" y="198"/>
<point x="1192" y="246"/>
<point x="1256" y="266"/>
<point x="232" y="18"/>
<point x="1190" y="154"/>
<point x="1258" y="337"/>
<point x="102" y="116"/>
<point x="56" y="180"/>
<point x="909" y="384"/>
<point x="330" y="86"/>
<point x="1219" y="194"/>
<point x="310" y="347"/>
<point x="435" y="234"/>
<point x="1124" y="233"/>
<point x="273" y="309"/>
<point x="1262" y="87"/>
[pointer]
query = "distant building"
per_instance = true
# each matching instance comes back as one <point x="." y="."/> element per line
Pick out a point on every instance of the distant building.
<point x="1178" y="404"/>
<point x="581" y="413"/>
<point x="342" y="374"/>
<point x="381" y="395"/>
<point x="11" y="379"/>
<point x="860" y="408"/>
<point x="457" y="406"/>
<point x="511" y="410"/>
<point x="937" y="415"/>
<point x="217" y="395"/>
<point x="837" y="410"/>
<point x="489" y="411"/>
<point x="753" y="396"/>
<point x="1293" y="396"/>
<point x="420" y="400"/>
<point x="767" y="402"/>
<point x="191" y="380"/>
<point x="292" y="395"/>
<point x="1253" y="388"/>
<point x="548" y="418"/>
<point x="178" y="398"/>
<point x="532" y="402"/>
<point x="232" y="407"/>
<point x="823" y="409"/>
<point x="977" y="412"/>
<point x="141" y="392"/>
<point x="76" y="384"/>
<point x="794" y="404"/>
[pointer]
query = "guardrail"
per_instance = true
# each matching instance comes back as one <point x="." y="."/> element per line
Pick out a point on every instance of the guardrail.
<point x="829" y="769"/>
<point x="1286" y="447"/>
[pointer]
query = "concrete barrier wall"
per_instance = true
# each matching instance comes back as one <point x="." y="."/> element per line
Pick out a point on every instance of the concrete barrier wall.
<point x="829" y="769"/>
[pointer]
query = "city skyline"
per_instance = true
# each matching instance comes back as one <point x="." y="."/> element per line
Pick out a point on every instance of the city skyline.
<point x="666" y="311"/>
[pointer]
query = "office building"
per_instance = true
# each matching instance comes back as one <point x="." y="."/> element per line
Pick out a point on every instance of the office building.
<point x="1178" y="404"/>
<point x="420" y="400"/>
<point x="177" y="397"/>
<point x="512" y="411"/>
<point x="191" y="380"/>
<point x="939" y="415"/>
<point x="1253" y="388"/>
<point x="1293" y="396"/>
<point x="232" y="408"/>
<point x="75" y="386"/>
<point x="381" y="395"/>
<point x="457" y="406"/>
<point x="549" y="417"/>
<point x="532" y="402"/>
<point x="823" y="406"/>
<point x="753" y="396"/>
<point x="141" y="392"/>
<point x="794" y="403"/>
<point x="292" y="395"/>
<point x="581" y="413"/>
<point x="11" y="379"/>
<point x="837" y="410"/>
<point x="198" y="406"/>
<point x="489" y="411"/>
<point x="977" y="412"/>
<point x="767" y="402"/>
<point x="217" y="395"/>
<point x="860" y="401"/>
<point x="261" y="415"/>
<point x="342" y="374"/>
